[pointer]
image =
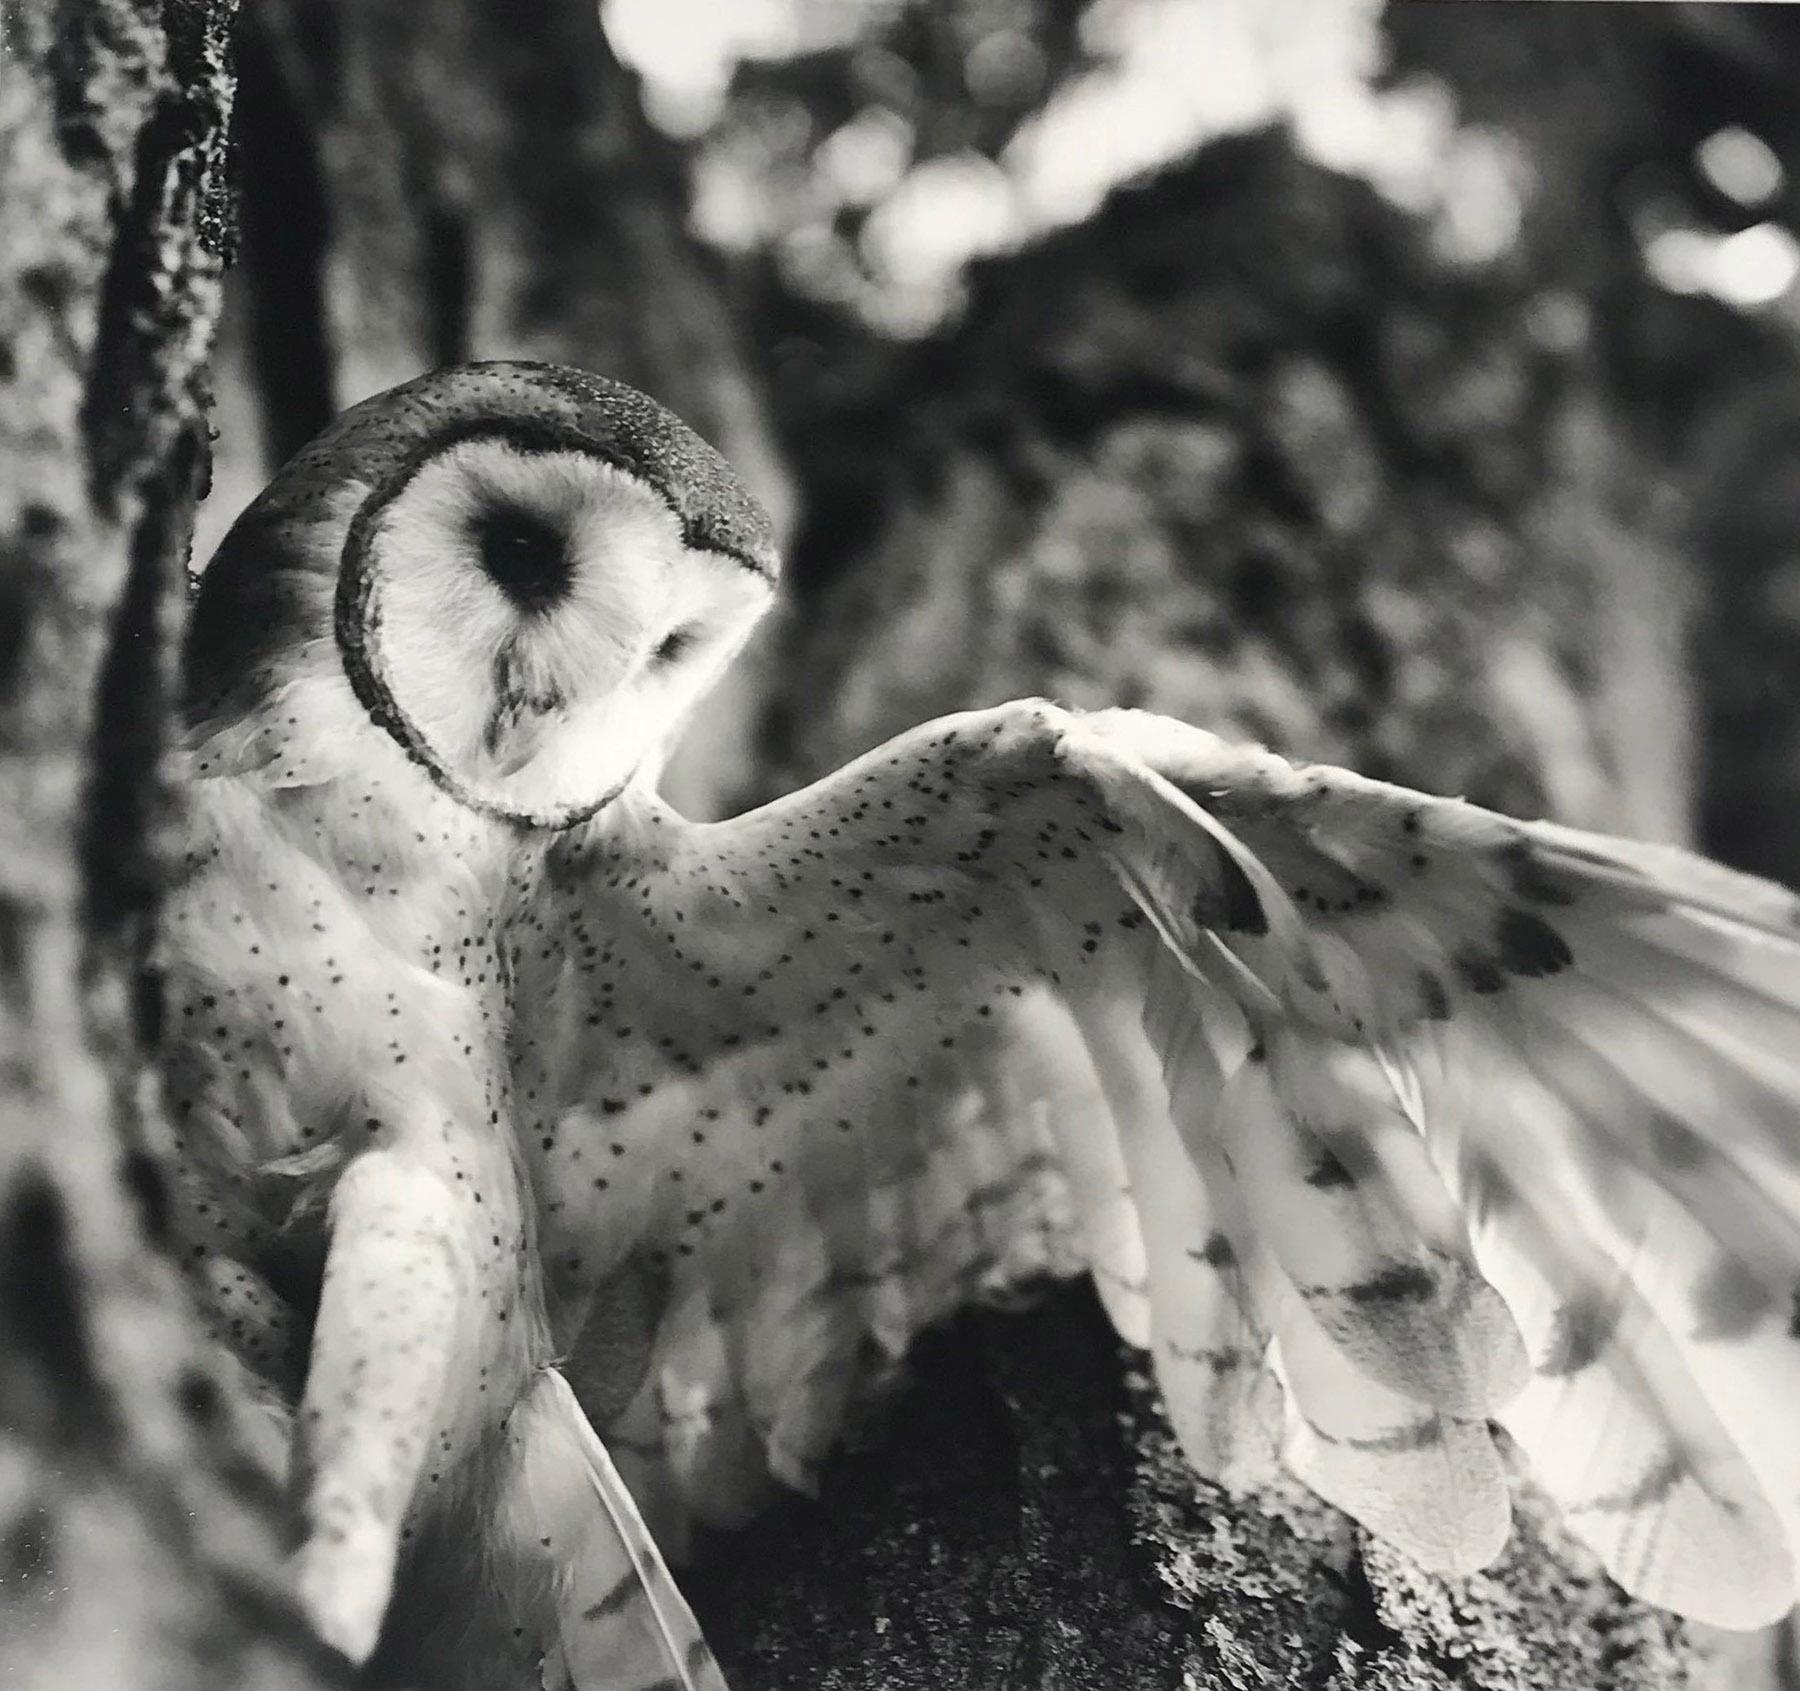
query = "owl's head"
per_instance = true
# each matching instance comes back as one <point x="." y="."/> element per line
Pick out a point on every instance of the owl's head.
<point x="524" y="575"/>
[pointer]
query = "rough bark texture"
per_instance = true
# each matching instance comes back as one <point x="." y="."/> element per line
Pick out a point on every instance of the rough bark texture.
<point x="137" y="1545"/>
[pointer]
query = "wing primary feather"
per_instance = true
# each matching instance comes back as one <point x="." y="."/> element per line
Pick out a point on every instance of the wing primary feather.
<point x="616" y="1620"/>
<point x="1749" y="1211"/>
<point x="1611" y="1420"/>
<point x="1207" y="1343"/>
<point x="1362" y="1228"/>
<point x="1431" y="1484"/>
<point x="1578" y="991"/>
<point x="1651" y="876"/>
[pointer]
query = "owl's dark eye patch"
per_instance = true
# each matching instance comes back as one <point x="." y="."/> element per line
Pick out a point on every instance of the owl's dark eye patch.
<point x="675" y="643"/>
<point x="524" y="556"/>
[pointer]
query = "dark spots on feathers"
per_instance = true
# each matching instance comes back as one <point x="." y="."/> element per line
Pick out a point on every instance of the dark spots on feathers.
<point x="1411" y="1435"/>
<point x="1583" y="1329"/>
<point x="1401" y="1282"/>
<point x="1677" y="1145"/>
<point x="1650" y="1488"/>
<point x="1217" y="1252"/>
<point x="616" y="1599"/>
<point x="1729" y="1301"/>
<point x="1329" y="1171"/>
<point x="1534" y="880"/>
<point x="1527" y="945"/>
<point x="1480" y="973"/>
<point x="1229" y="902"/>
<point x="1434" y="1001"/>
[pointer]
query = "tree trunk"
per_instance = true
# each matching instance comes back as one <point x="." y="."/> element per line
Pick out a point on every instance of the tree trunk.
<point x="137" y="1527"/>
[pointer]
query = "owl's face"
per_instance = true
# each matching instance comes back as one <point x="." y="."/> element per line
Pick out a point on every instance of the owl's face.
<point x="527" y="577"/>
<point x="533" y="621"/>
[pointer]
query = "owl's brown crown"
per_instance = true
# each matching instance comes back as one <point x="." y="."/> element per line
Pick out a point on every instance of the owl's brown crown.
<point x="543" y="405"/>
<point x="378" y="442"/>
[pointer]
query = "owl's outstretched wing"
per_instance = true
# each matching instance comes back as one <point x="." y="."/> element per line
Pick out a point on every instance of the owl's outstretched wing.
<point x="1377" y="1117"/>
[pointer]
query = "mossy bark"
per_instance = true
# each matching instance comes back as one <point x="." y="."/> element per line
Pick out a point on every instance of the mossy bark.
<point x="138" y="1540"/>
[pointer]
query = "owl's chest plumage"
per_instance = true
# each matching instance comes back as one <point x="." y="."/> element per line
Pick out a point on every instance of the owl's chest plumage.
<point x="326" y="999"/>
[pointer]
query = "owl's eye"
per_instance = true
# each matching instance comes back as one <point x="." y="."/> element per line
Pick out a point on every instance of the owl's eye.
<point x="525" y="557"/>
<point x="674" y="643"/>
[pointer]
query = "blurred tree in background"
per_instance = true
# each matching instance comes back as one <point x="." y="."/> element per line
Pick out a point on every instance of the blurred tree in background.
<point x="1413" y="387"/>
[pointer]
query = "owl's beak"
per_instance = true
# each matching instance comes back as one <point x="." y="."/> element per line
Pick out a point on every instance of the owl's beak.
<point x="517" y="727"/>
<point x="528" y="703"/>
<point x="519" y="743"/>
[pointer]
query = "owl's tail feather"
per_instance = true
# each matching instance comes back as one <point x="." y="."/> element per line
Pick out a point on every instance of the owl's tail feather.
<point x="581" y="1566"/>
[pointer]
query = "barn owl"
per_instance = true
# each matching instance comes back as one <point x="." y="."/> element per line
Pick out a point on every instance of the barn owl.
<point x="576" y="1171"/>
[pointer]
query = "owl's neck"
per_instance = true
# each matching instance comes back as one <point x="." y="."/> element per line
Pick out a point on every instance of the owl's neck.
<point x="637" y="831"/>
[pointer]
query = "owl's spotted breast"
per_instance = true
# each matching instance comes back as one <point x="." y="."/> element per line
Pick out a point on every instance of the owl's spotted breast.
<point x="327" y="1003"/>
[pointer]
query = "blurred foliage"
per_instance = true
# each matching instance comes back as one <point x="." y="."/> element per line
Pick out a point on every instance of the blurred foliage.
<point x="863" y="168"/>
<point x="960" y="76"/>
<point x="1601" y="120"/>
